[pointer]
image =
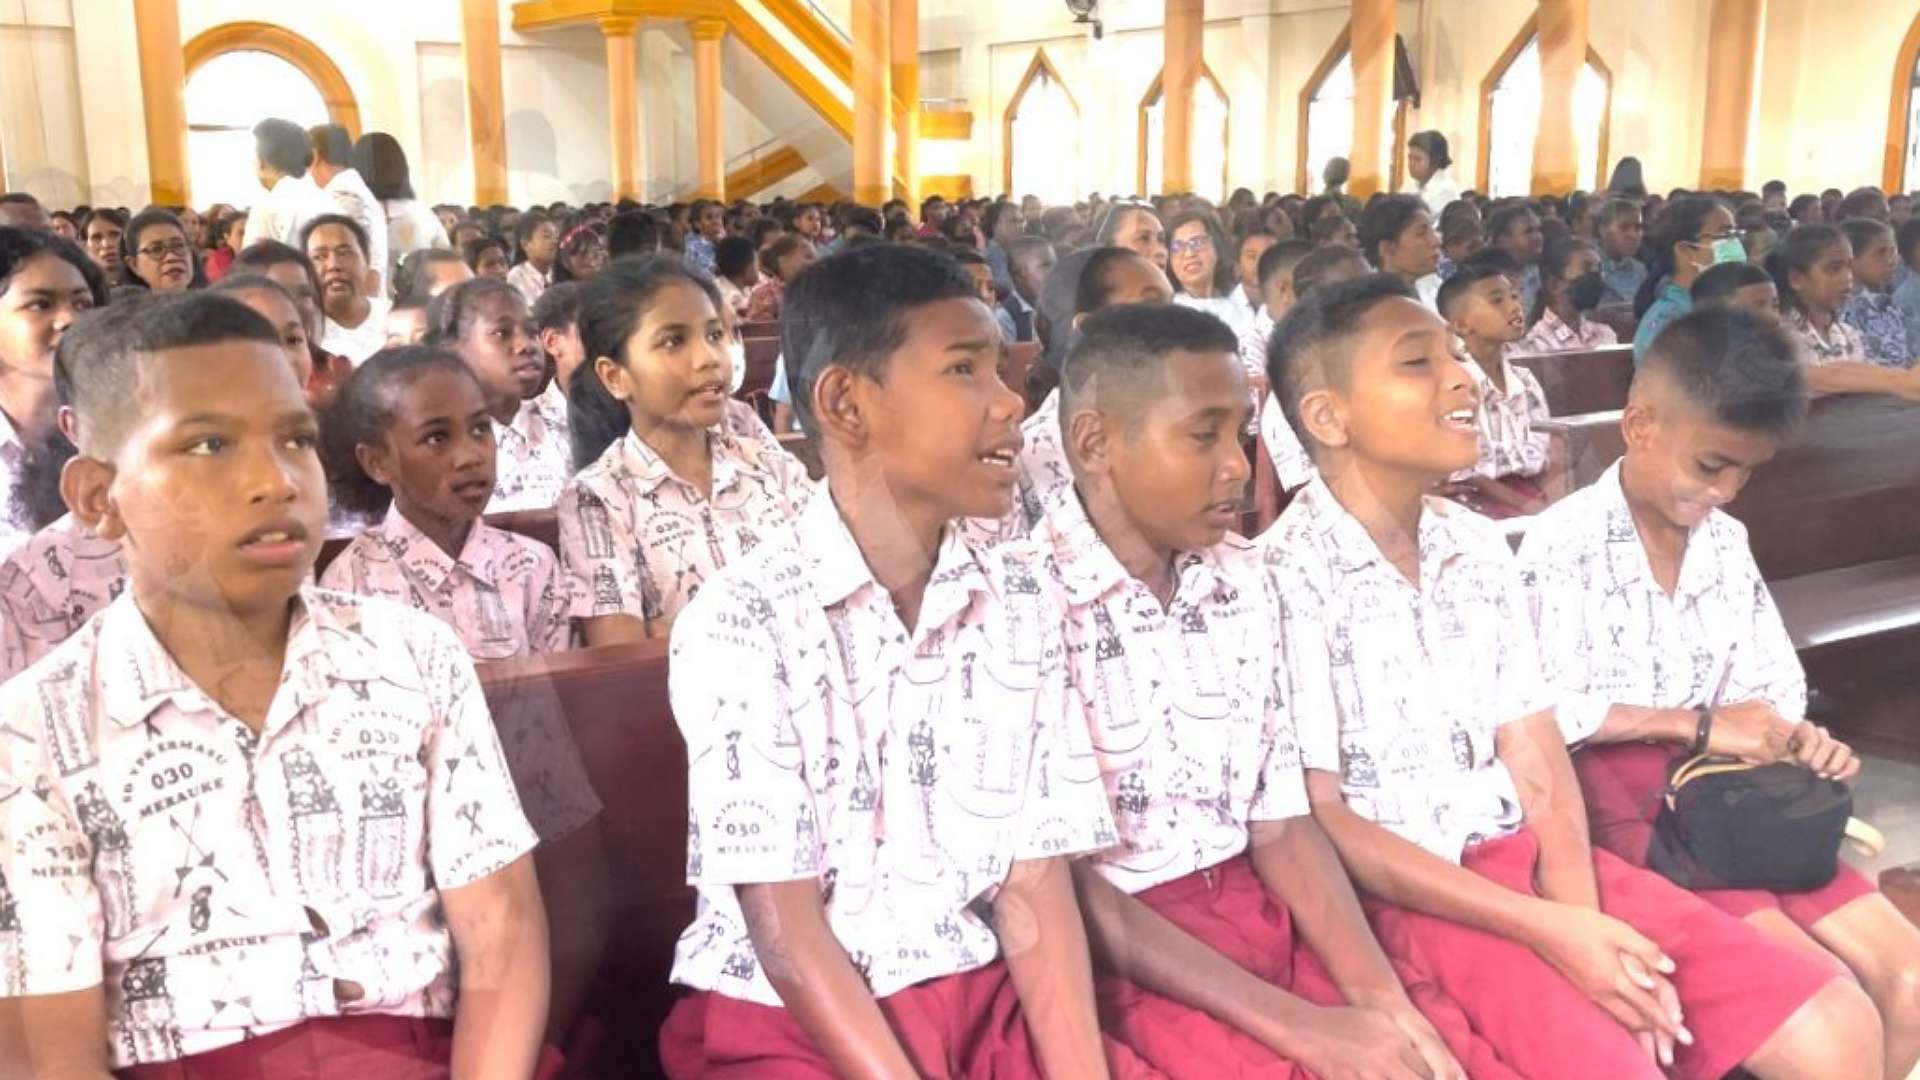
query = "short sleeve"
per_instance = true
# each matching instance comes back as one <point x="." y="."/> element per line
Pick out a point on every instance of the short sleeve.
<point x="52" y="928"/>
<point x="1306" y="667"/>
<point x="603" y="564"/>
<point x="1520" y="690"/>
<point x="475" y="824"/>
<point x="1066" y="811"/>
<point x="548" y="604"/>
<point x="1556" y="587"/>
<point x="749" y="806"/>
<point x="1281" y="791"/>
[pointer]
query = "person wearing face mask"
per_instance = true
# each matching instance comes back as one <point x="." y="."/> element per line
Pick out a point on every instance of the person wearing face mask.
<point x="1571" y="287"/>
<point x="1691" y="233"/>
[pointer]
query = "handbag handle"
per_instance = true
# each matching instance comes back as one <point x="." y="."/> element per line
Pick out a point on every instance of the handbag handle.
<point x="1867" y="841"/>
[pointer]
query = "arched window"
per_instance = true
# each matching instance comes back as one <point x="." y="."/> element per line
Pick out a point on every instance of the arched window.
<point x="1326" y="115"/>
<point x="1902" y="171"/>
<point x="1510" y="117"/>
<point x="1209" y="153"/>
<point x="239" y="74"/>
<point x="1041" y="134"/>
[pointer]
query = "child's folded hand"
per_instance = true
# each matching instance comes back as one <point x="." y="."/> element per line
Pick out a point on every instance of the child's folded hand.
<point x="1619" y="968"/>
<point x="1752" y="731"/>
<point x="1813" y="747"/>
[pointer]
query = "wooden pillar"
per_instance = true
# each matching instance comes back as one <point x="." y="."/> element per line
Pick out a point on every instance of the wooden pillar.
<point x="163" y="92"/>
<point x="872" y="101"/>
<point x="904" y="73"/>
<point x="709" y="124"/>
<point x="1372" y="30"/>
<point x="1179" y="72"/>
<point x="1563" y="55"/>
<point x="623" y="104"/>
<point x="486" y="109"/>
<point x="1733" y="70"/>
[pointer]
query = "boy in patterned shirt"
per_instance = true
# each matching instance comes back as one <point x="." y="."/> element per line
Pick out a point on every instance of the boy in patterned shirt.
<point x="243" y="821"/>
<point x="1662" y="640"/>
<point x="884" y="781"/>
<point x="1435" y="764"/>
<point x="1205" y="911"/>
<point x="1481" y="304"/>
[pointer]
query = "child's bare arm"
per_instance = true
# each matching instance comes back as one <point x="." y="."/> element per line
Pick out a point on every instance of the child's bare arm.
<point x="612" y="629"/>
<point x="817" y="982"/>
<point x="55" y="1036"/>
<point x="500" y="936"/>
<point x="1045" y="946"/>
<point x="1535" y="752"/>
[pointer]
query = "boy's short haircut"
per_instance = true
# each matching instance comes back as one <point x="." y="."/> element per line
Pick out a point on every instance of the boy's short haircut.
<point x="359" y="231"/>
<point x="733" y="255"/>
<point x="1906" y="238"/>
<point x="1507" y="216"/>
<point x="1863" y="231"/>
<point x="558" y="307"/>
<point x="1025" y="245"/>
<point x="1613" y="210"/>
<point x="96" y="369"/>
<point x="253" y="282"/>
<point x="1472" y="270"/>
<point x="283" y="144"/>
<point x="860" y="217"/>
<point x="1090" y="292"/>
<point x="1323" y="261"/>
<point x="1774" y="187"/>
<point x="1118" y="363"/>
<point x="1310" y="348"/>
<point x="850" y="310"/>
<point x="1740" y="369"/>
<point x="1280" y="259"/>
<point x="1717" y="284"/>
<point x="1460" y="227"/>
<point x="263" y="255"/>
<point x="332" y="144"/>
<point x="632" y="232"/>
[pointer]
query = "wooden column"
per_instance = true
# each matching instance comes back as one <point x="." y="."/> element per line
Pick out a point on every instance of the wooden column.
<point x="1179" y="72"/>
<point x="486" y="108"/>
<point x="1733" y="70"/>
<point x="709" y="124"/>
<point x="1563" y="55"/>
<point x="1373" y="27"/>
<point x="904" y="73"/>
<point x="623" y="104"/>
<point x="872" y="101"/>
<point x="163" y="92"/>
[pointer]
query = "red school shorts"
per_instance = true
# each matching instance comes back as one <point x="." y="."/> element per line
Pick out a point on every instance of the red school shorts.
<point x="366" y="1047"/>
<point x="1736" y="985"/>
<point x="1623" y="785"/>
<point x="961" y="1027"/>
<point x="1230" y="910"/>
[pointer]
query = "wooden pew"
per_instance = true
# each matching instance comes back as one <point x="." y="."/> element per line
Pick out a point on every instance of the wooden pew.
<point x="1583" y="382"/>
<point x="1619" y="318"/>
<point x="615" y="701"/>
<point x="808" y="451"/>
<point x="762" y="355"/>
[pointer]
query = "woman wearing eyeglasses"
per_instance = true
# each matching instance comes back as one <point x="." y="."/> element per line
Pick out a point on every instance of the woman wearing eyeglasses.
<point x="156" y="254"/>
<point x="1201" y="278"/>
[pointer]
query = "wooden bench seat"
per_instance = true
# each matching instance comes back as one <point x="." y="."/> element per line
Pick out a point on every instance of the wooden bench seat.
<point x="1583" y="382"/>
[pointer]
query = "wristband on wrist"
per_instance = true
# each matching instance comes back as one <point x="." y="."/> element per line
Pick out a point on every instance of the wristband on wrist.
<point x="1703" y="730"/>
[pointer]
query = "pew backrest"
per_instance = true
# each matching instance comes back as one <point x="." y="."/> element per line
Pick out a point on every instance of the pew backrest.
<point x="1582" y="382"/>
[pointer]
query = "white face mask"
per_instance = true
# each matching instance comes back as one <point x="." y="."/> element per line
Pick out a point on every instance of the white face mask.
<point x="737" y="356"/>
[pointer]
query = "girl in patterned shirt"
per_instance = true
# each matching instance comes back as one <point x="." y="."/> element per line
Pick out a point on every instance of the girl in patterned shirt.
<point x="1813" y="269"/>
<point x="409" y="443"/>
<point x="668" y="491"/>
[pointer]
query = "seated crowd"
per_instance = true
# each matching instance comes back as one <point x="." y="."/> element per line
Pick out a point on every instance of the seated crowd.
<point x="1008" y="755"/>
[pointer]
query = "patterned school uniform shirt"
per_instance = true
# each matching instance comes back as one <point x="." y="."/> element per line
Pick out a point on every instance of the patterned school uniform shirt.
<point x="1401" y="689"/>
<point x="1610" y="635"/>
<point x="1253" y="344"/>
<point x="1183" y="702"/>
<point x="637" y="540"/>
<point x="904" y="770"/>
<point x="1552" y="335"/>
<point x="14" y="530"/>
<point x="51" y="586"/>
<point x="503" y="596"/>
<point x="1041" y="474"/>
<point x="1509" y="443"/>
<point x="1883" y="330"/>
<point x="218" y="883"/>
<point x="1290" y="459"/>
<point x="535" y="454"/>
<point x="1840" y="344"/>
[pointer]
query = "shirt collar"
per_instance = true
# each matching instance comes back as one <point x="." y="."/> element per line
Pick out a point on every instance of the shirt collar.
<point x="426" y="559"/>
<point x="1627" y="552"/>
<point x="840" y="570"/>
<point x="1351" y="549"/>
<point x="324" y="646"/>
<point x="649" y="470"/>
<point x="1089" y="569"/>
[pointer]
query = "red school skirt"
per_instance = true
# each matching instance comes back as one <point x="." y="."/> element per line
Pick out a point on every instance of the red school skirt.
<point x="1230" y="909"/>
<point x="365" y="1047"/>
<point x="967" y="1026"/>
<point x="1737" y="986"/>
<point x="1623" y="785"/>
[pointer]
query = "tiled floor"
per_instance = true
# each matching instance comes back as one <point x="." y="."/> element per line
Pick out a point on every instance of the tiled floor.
<point x="1887" y="795"/>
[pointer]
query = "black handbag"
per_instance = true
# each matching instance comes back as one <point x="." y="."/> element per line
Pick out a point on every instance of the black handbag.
<point x="1726" y="824"/>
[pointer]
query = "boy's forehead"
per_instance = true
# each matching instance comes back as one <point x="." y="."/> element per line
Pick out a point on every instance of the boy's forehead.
<point x="948" y="323"/>
<point x="215" y="378"/>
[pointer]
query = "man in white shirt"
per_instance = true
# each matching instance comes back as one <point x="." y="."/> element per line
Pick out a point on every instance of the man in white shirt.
<point x="292" y="196"/>
<point x="333" y="170"/>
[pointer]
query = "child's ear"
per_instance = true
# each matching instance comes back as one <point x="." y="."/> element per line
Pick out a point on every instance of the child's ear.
<point x="63" y="419"/>
<point x="375" y="462"/>
<point x="1638" y="425"/>
<point x="1089" y="441"/>
<point x="1324" y="419"/>
<point x="838" y="408"/>
<point x="86" y="486"/>
<point x="613" y="377"/>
